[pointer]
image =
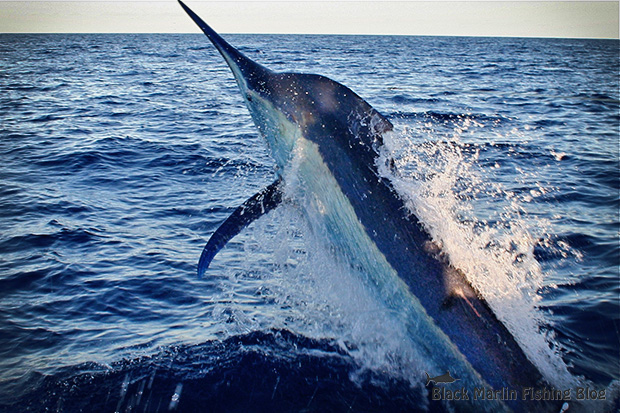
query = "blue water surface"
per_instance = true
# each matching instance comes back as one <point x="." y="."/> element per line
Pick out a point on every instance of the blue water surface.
<point x="121" y="154"/>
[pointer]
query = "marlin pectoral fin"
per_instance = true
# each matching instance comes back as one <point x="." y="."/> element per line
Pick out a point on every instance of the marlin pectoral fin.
<point x="252" y="209"/>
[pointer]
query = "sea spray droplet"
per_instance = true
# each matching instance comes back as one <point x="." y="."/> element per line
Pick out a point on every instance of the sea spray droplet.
<point x="124" y="387"/>
<point x="140" y="392"/>
<point x="174" y="401"/>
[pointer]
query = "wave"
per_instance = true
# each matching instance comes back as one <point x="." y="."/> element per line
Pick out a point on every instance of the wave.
<point x="275" y="370"/>
<point x="450" y="117"/>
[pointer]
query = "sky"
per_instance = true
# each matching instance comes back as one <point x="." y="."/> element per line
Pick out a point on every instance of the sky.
<point x="443" y="18"/>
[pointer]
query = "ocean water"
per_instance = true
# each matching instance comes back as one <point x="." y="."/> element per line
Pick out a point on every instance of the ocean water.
<point x="121" y="154"/>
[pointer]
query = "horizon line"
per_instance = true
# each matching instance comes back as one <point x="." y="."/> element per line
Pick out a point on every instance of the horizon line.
<point x="323" y="34"/>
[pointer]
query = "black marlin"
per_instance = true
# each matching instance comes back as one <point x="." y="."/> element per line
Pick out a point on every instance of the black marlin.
<point x="331" y="137"/>
<point x="444" y="378"/>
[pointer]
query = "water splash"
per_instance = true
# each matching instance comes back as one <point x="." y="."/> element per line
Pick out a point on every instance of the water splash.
<point x="481" y="227"/>
<point x="293" y="281"/>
